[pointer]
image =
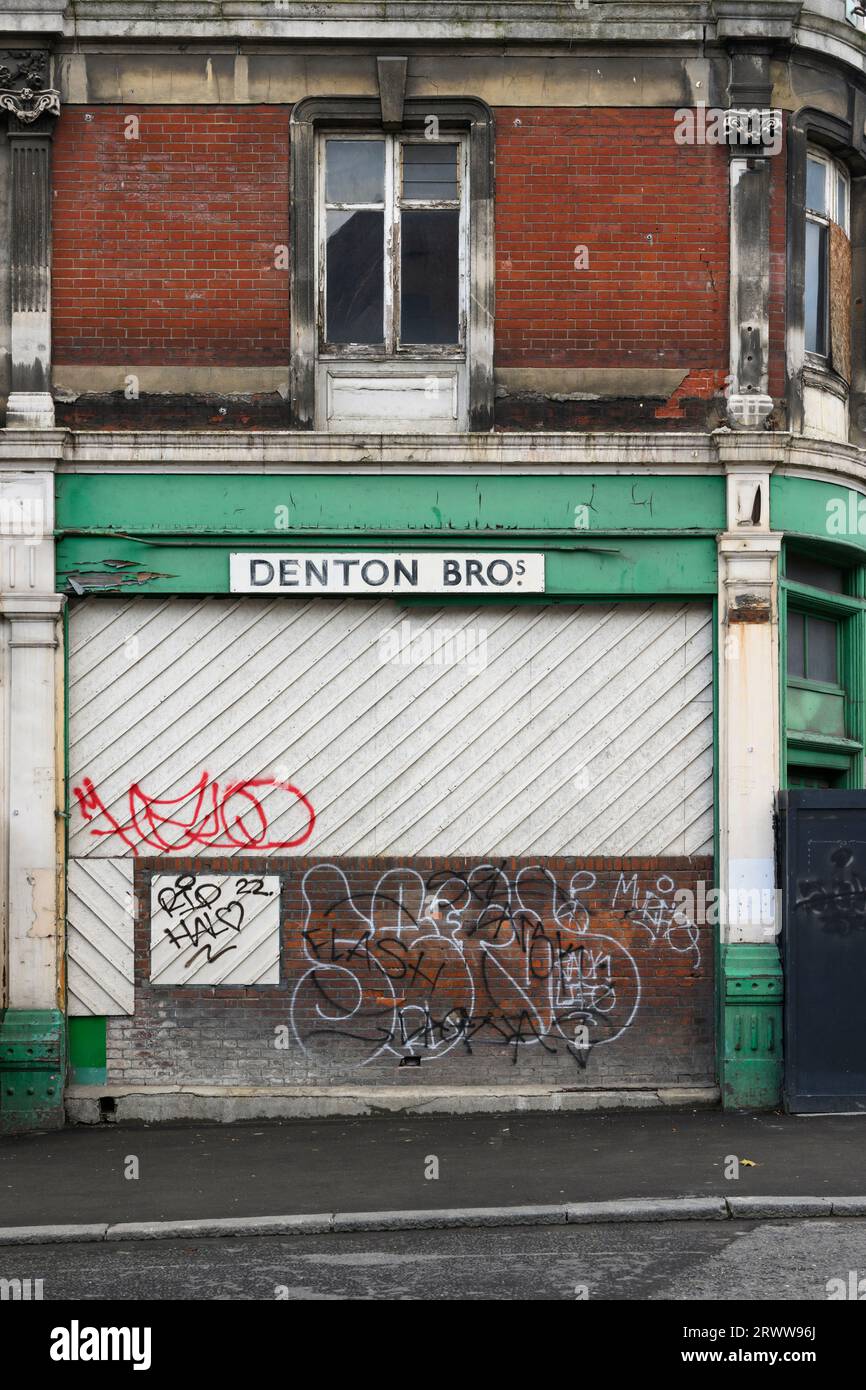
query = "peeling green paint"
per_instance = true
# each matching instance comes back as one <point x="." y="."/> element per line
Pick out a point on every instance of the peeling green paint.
<point x="342" y="504"/>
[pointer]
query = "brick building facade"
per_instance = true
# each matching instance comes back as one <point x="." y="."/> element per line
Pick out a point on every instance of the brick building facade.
<point x="423" y="434"/>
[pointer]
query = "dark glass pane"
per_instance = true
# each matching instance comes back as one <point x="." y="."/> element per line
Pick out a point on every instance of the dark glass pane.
<point x="429" y="275"/>
<point x="812" y="777"/>
<point x="354" y="171"/>
<point x="816" y="287"/>
<point x="822" y="664"/>
<point x="804" y="570"/>
<point x="816" y="186"/>
<point x="356" y="279"/>
<point x="429" y="171"/>
<point x="796" y="645"/>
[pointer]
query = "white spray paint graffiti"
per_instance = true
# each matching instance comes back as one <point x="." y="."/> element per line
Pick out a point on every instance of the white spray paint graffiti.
<point x="457" y="959"/>
<point x="658" y="913"/>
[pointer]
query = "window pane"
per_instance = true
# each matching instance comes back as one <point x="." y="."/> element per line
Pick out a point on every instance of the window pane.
<point x="429" y="299"/>
<point x="355" y="277"/>
<point x="842" y="202"/>
<point x="796" y="645"/>
<point x="429" y="171"/>
<point x="816" y="185"/>
<point x="816" y="287"/>
<point x="822" y="650"/>
<point x="804" y="570"/>
<point x="354" y="171"/>
<point x="813" y="777"/>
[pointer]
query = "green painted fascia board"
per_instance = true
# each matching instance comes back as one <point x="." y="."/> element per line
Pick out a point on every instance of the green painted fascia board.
<point x="276" y="506"/>
<point x="619" y="567"/>
<point x="828" y="512"/>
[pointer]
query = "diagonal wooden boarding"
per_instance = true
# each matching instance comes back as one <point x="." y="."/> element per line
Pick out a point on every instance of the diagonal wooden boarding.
<point x="223" y="726"/>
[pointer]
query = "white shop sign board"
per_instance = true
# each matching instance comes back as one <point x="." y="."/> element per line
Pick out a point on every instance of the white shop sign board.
<point x="386" y="572"/>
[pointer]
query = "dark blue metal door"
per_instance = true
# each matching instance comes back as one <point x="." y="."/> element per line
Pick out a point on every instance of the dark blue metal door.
<point x="822" y="839"/>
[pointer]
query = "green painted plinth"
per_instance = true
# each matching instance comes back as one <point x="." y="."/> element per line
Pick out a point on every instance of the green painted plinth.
<point x="87" y="1051"/>
<point x="32" y="1059"/>
<point x="752" y="990"/>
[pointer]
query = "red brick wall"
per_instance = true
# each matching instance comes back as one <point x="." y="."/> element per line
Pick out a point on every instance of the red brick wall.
<point x="481" y="972"/>
<point x="164" y="245"/>
<point x="653" y="216"/>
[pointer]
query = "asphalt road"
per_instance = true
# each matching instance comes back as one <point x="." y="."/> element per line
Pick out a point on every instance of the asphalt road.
<point x="688" y="1261"/>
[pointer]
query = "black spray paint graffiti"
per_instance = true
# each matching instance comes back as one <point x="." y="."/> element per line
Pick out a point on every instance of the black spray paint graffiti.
<point x="419" y="967"/>
<point x="838" y="906"/>
<point x="206" y="914"/>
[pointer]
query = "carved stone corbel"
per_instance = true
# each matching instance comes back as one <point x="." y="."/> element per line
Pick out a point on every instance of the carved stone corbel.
<point x="25" y="88"/>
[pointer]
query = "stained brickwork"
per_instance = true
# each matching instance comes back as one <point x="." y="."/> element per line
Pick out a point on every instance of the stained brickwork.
<point x="559" y="971"/>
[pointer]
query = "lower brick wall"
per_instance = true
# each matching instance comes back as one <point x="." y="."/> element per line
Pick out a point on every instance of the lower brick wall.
<point x="562" y="971"/>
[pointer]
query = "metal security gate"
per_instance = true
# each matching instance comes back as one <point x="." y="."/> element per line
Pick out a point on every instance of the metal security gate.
<point x="823" y="844"/>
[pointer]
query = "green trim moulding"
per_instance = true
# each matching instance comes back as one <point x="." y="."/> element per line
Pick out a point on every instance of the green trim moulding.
<point x="277" y="505"/>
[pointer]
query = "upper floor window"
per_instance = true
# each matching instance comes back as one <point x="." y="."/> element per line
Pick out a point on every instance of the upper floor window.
<point x="392" y="246"/>
<point x="827" y="203"/>
<point x="392" y="265"/>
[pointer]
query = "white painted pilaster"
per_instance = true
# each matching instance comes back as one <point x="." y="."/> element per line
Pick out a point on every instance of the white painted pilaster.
<point x="31" y="761"/>
<point x="748" y="710"/>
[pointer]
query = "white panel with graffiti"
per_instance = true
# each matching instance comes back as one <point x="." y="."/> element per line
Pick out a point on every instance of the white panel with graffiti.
<point x="214" y="929"/>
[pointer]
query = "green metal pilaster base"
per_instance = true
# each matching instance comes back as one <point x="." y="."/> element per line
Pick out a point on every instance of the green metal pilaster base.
<point x="32" y="1060"/>
<point x="752" y="989"/>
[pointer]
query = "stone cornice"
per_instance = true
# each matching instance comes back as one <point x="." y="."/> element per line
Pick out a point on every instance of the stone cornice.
<point x="494" y="20"/>
<point x="572" y="23"/>
<point x="286" y="451"/>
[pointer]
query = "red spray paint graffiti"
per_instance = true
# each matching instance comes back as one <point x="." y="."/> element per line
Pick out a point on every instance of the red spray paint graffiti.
<point x="205" y="817"/>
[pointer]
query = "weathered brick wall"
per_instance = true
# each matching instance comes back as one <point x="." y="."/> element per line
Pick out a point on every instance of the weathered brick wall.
<point x="164" y="244"/>
<point x="476" y="973"/>
<point x="653" y="217"/>
<point x="165" y="255"/>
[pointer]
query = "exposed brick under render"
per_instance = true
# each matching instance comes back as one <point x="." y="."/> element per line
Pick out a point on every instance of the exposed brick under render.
<point x="483" y="971"/>
<point x="165" y="253"/>
<point x="653" y="218"/>
<point x="165" y="244"/>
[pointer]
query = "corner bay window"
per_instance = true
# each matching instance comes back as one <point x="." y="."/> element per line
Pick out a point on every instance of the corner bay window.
<point x="827" y="204"/>
<point x="825" y="622"/>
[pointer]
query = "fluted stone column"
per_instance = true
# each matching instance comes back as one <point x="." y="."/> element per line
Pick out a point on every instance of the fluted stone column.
<point x="33" y="106"/>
